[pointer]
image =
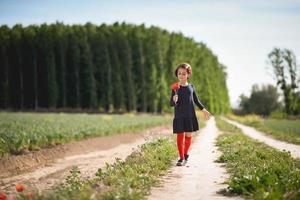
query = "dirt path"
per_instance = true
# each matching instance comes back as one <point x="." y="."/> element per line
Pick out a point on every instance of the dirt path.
<point x="89" y="155"/>
<point x="201" y="177"/>
<point x="281" y="145"/>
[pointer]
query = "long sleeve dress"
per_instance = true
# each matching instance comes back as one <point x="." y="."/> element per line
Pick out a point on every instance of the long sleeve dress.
<point x="185" y="119"/>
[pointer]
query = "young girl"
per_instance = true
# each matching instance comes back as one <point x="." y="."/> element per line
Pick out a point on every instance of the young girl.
<point x="185" y="121"/>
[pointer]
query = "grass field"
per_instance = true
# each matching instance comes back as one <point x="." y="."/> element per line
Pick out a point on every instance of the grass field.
<point x="21" y="132"/>
<point x="286" y="130"/>
<point x="257" y="171"/>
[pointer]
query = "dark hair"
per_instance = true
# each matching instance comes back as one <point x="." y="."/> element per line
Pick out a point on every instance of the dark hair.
<point x="184" y="66"/>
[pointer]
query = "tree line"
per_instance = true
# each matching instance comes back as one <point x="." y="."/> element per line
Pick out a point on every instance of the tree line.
<point x="265" y="100"/>
<point x="112" y="68"/>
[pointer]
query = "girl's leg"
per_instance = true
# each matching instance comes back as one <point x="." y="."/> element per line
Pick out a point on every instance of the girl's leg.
<point x="180" y="144"/>
<point x="187" y="142"/>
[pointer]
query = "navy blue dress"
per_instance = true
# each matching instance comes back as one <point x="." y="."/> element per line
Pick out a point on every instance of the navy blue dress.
<point x="185" y="119"/>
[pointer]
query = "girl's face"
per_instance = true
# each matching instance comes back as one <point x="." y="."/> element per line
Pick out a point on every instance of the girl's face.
<point x="182" y="75"/>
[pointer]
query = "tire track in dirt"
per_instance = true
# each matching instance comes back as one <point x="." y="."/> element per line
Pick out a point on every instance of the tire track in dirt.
<point x="262" y="137"/>
<point x="92" y="158"/>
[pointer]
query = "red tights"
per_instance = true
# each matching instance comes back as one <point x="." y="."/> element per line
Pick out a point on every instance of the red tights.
<point x="183" y="146"/>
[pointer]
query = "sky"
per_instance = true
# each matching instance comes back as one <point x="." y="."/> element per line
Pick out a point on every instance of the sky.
<point x="240" y="33"/>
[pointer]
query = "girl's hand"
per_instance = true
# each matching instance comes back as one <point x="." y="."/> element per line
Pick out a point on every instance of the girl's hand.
<point x="206" y="113"/>
<point x="175" y="98"/>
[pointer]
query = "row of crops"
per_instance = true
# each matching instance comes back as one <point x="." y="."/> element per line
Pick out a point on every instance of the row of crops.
<point x="20" y="132"/>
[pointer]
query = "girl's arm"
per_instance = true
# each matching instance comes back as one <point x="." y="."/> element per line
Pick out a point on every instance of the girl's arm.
<point x="196" y="100"/>
<point x="200" y="105"/>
